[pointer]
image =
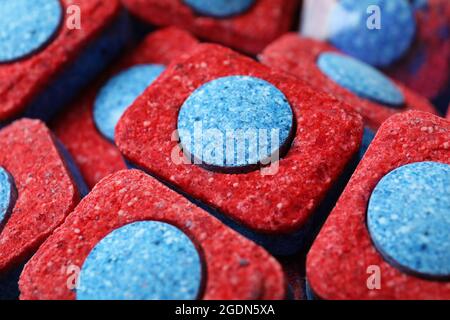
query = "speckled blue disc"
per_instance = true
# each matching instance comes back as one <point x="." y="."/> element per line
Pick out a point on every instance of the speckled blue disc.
<point x="349" y="24"/>
<point x="7" y="195"/>
<point x="409" y="218"/>
<point x="147" y="260"/>
<point x="26" y="26"/>
<point x="119" y="93"/>
<point x="361" y="79"/>
<point x="220" y="8"/>
<point x="235" y="123"/>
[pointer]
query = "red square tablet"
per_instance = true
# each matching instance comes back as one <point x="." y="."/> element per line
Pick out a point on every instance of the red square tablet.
<point x="236" y="268"/>
<point x="327" y="135"/>
<point x="343" y="260"/>
<point x="46" y="192"/>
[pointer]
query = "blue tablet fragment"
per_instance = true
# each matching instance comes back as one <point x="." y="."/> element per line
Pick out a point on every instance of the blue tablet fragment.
<point x="378" y="32"/>
<point x="408" y="218"/>
<point x="146" y="260"/>
<point x="220" y="8"/>
<point x="26" y="26"/>
<point x="361" y="79"/>
<point x="8" y="195"/>
<point x="235" y="123"/>
<point x="119" y="93"/>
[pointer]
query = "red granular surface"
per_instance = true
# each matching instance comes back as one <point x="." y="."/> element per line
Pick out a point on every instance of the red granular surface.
<point x="338" y="261"/>
<point x="249" y="32"/>
<point x="94" y="155"/>
<point x="23" y="80"/>
<point x="298" y="56"/>
<point x="46" y="192"/>
<point x="328" y="134"/>
<point x="236" y="267"/>
<point x="426" y="68"/>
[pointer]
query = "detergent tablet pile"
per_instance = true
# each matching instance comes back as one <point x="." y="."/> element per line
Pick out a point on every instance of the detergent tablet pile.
<point x="224" y="150"/>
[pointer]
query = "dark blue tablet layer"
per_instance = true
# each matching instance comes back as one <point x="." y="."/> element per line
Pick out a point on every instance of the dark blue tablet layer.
<point x="8" y="195"/>
<point x="409" y="218"/>
<point x="235" y="123"/>
<point x="145" y="260"/>
<point x="75" y="173"/>
<point x="26" y="26"/>
<point x="220" y="8"/>
<point x="354" y="29"/>
<point x="119" y="93"/>
<point x="9" y="284"/>
<point x="361" y="79"/>
<point x="367" y="139"/>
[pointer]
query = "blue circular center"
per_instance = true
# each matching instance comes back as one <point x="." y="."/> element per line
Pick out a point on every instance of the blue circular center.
<point x="8" y="195"/>
<point x="147" y="260"/>
<point x="235" y="123"/>
<point x="361" y="79"/>
<point x="220" y="8"/>
<point x="119" y="93"/>
<point x="378" y="32"/>
<point x="26" y="26"/>
<point x="409" y="218"/>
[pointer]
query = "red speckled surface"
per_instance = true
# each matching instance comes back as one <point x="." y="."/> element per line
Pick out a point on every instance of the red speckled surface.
<point x="298" y="56"/>
<point x="426" y="69"/>
<point x="249" y="32"/>
<point x="338" y="260"/>
<point x="328" y="135"/>
<point x="94" y="155"/>
<point x="237" y="268"/>
<point x="46" y="192"/>
<point x="21" y="81"/>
